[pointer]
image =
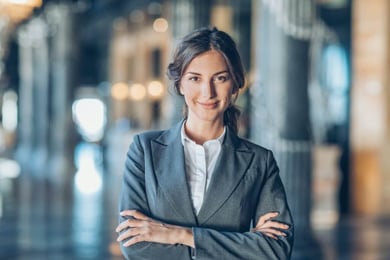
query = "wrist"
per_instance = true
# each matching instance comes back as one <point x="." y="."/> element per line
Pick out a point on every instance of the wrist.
<point x="184" y="236"/>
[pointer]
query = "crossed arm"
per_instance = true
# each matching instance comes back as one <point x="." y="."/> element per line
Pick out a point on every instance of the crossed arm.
<point x="141" y="228"/>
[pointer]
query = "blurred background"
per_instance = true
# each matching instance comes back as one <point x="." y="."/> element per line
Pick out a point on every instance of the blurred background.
<point x="78" y="78"/>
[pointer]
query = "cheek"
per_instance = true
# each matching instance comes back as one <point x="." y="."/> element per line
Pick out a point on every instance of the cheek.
<point x="226" y="94"/>
<point x="187" y="90"/>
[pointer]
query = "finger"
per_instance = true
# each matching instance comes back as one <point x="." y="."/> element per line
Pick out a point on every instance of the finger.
<point x="134" y="213"/>
<point x="130" y="223"/>
<point x="128" y="234"/>
<point x="264" y="218"/>
<point x="144" y="231"/>
<point x="271" y="236"/>
<point x="133" y="240"/>
<point x="137" y="235"/>
<point x="268" y="234"/>
<point x="132" y="232"/>
<point x="273" y="224"/>
<point x="123" y="225"/>
<point x="271" y="231"/>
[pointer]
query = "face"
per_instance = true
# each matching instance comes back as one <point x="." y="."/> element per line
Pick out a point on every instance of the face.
<point x="207" y="88"/>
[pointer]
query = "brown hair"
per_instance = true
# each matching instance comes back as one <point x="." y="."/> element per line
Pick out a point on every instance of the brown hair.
<point x="198" y="42"/>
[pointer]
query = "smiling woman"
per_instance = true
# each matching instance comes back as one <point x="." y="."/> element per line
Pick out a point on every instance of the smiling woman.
<point x="182" y="187"/>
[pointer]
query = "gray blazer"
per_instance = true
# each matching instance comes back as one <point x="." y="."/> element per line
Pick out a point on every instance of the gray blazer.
<point x="244" y="186"/>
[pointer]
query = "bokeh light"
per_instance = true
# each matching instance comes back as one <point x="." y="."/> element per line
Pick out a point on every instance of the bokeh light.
<point x="89" y="115"/>
<point x="120" y="91"/>
<point x="155" y="89"/>
<point x="137" y="92"/>
<point x="160" y="25"/>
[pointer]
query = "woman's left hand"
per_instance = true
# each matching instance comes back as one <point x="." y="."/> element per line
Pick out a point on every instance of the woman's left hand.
<point x="270" y="227"/>
<point x="141" y="228"/>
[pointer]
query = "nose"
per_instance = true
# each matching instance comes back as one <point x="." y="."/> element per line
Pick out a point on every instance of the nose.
<point x="207" y="89"/>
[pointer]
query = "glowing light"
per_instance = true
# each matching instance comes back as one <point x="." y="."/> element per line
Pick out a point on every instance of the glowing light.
<point x="137" y="92"/>
<point x="32" y="3"/>
<point x="88" y="177"/>
<point x="155" y="89"/>
<point x="9" y="168"/>
<point x="90" y="116"/>
<point x="17" y="10"/>
<point x="336" y="68"/>
<point x="160" y="25"/>
<point x="120" y="91"/>
<point x="10" y="111"/>
<point x="88" y="180"/>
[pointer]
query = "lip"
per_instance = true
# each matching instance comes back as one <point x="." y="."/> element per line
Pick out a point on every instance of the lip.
<point x="208" y="105"/>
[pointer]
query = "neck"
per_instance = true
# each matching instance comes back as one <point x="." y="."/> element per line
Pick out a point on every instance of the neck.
<point x="201" y="133"/>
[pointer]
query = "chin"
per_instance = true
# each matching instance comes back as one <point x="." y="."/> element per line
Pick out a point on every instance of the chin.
<point x="209" y="116"/>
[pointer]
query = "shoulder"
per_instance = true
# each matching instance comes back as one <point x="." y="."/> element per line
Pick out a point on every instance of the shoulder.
<point x="250" y="145"/>
<point x="263" y="158"/>
<point x="261" y="153"/>
<point x="148" y="136"/>
<point x="165" y="136"/>
<point x="253" y="146"/>
<point x="141" y="142"/>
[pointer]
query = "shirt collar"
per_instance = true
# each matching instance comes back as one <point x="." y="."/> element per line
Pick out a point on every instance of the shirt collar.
<point x="185" y="138"/>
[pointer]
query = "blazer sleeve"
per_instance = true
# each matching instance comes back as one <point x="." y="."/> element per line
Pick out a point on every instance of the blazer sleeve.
<point x="133" y="196"/>
<point x="212" y="244"/>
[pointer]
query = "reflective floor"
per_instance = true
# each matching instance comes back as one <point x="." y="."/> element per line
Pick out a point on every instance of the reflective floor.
<point x="74" y="218"/>
<point x="43" y="220"/>
<point x="356" y="238"/>
<point x="68" y="216"/>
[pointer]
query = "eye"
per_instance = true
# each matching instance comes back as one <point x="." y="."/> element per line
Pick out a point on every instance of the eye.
<point x="193" y="78"/>
<point x="221" y="78"/>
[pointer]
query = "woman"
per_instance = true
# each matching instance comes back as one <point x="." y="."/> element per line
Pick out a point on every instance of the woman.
<point x="195" y="190"/>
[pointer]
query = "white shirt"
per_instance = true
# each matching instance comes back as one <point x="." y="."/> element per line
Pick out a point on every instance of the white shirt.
<point x="200" y="162"/>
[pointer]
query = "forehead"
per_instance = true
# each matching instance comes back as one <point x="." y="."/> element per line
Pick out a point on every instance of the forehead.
<point x="210" y="60"/>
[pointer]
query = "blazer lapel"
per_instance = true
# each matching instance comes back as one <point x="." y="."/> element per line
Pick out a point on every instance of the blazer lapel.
<point x="232" y="164"/>
<point x="169" y="165"/>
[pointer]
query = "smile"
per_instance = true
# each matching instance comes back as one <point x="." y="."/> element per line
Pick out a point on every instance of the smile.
<point x="208" y="105"/>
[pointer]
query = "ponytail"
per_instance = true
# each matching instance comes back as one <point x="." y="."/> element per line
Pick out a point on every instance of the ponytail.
<point x="230" y="118"/>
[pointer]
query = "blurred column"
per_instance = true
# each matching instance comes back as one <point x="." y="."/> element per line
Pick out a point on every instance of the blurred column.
<point x="370" y="109"/>
<point x="60" y="19"/>
<point x="243" y="35"/>
<point x="33" y="106"/>
<point x="243" y="29"/>
<point x="281" y="105"/>
<point x="187" y="16"/>
<point x="38" y="32"/>
<point x="25" y="130"/>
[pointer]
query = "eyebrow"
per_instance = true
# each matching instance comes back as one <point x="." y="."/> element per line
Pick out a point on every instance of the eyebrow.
<point x="198" y="74"/>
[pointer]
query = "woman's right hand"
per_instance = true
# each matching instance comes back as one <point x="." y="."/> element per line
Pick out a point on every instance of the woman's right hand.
<point x="269" y="227"/>
<point x="141" y="228"/>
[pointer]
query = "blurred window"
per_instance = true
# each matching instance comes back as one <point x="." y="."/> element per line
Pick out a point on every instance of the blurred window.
<point x="335" y="79"/>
